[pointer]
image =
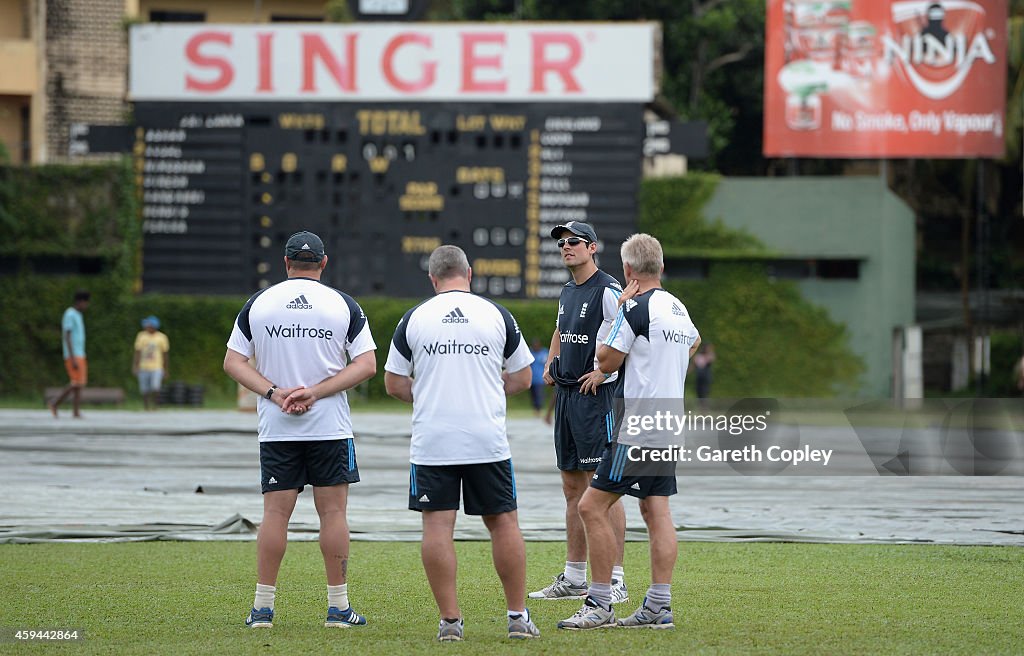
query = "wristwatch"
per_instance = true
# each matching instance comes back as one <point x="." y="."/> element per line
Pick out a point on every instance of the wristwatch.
<point x="270" y="392"/>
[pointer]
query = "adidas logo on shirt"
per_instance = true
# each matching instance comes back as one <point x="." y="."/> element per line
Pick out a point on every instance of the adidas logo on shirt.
<point x="630" y="304"/>
<point x="634" y="486"/>
<point x="425" y="499"/>
<point x="299" y="303"/>
<point x="678" y="311"/>
<point x="455" y="316"/>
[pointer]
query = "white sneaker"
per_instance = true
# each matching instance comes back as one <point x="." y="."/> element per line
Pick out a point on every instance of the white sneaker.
<point x="619" y="592"/>
<point x="561" y="589"/>
<point x="522" y="627"/>
<point x="450" y="631"/>
<point x="589" y="616"/>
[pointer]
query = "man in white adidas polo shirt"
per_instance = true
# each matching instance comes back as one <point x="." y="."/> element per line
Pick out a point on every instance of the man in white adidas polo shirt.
<point x="447" y="358"/>
<point x="300" y="333"/>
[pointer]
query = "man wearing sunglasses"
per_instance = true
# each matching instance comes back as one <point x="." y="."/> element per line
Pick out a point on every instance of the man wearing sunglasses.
<point x="583" y="401"/>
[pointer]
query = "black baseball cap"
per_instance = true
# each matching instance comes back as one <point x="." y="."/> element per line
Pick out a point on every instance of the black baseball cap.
<point x="578" y="228"/>
<point x="304" y="247"/>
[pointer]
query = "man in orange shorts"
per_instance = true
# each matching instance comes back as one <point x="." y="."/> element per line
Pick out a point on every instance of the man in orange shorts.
<point x="72" y="329"/>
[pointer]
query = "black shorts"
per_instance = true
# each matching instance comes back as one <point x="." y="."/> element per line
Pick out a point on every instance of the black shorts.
<point x="583" y="426"/>
<point x="320" y="463"/>
<point x="489" y="487"/>
<point x="620" y="475"/>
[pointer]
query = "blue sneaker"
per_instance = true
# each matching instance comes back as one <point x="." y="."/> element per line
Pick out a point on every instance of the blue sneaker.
<point x="344" y="618"/>
<point x="260" y="619"/>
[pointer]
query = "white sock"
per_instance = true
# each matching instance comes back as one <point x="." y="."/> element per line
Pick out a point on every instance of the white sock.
<point x="337" y="596"/>
<point x="576" y="573"/>
<point x="516" y="613"/>
<point x="264" y="597"/>
<point x="618" y="574"/>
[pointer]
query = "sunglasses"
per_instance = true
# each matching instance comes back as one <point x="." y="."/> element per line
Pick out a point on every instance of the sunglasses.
<point x="572" y="241"/>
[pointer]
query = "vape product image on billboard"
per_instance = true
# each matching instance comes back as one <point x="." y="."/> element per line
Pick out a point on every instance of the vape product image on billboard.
<point x="917" y="78"/>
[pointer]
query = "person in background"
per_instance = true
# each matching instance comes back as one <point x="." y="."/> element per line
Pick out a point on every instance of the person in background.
<point x="702" y="362"/>
<point x="537" y="384"/>
<point x="150" y="362"/>
<point x="72" y="341"/>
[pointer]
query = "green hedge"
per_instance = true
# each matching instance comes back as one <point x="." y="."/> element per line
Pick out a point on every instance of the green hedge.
<point x="53" y="214"/>
<point x="769" y="340"/>
<point x="197" y="327"/>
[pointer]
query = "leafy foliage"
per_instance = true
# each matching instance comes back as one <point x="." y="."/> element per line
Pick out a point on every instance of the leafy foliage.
<point x="673" y="210"/>
<point x="768" y="340"/>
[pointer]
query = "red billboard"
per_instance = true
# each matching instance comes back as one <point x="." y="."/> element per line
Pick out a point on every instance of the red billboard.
<point x="885" y="78"/>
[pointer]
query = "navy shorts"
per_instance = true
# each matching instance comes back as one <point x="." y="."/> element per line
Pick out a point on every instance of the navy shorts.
<point x="620" y="475"/>
<point x="583" y="426"/>
<point x="489" y="488"/>
<point x="320" y="463"/>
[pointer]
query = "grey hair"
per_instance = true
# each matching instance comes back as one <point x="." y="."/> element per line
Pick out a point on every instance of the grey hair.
<point x="448" y="261"/>
<point x="643" y="254"/>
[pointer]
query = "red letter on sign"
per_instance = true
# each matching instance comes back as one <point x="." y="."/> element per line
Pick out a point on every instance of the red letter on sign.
<point x="313" y="48"/>
<point x="266" y="60"/>
<point x="429" y="67"/>
<point x="470" y="62"/>
<point x="227" y="73"/>
<point x="563" y="68"/>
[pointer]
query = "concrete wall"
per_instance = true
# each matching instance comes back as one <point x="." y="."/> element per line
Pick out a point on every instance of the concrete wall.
<point x="13" y="20"/>
<point x="11" y="125"/>
<point x="87" y="60"/>
<point x="236" y="11"/>
<point x="850" y="218"/>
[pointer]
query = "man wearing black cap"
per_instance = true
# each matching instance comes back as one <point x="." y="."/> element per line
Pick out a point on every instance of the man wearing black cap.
<point x="583" y="401"/>
<point x="310" y="343"/>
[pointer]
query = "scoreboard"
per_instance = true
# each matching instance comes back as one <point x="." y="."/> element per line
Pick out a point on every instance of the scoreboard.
<point x="225" y="183"/>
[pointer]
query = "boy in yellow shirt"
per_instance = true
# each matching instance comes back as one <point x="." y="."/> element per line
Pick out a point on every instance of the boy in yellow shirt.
<point x="150" y="362"/>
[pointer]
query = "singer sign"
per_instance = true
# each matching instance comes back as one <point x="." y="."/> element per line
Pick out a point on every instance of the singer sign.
<point x="908" y="78"/>
<point x="538" y="62"/>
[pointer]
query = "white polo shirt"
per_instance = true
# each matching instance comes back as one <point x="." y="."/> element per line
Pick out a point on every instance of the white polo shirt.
<point x="300" y="331"/>
<point x="455" y="346"/>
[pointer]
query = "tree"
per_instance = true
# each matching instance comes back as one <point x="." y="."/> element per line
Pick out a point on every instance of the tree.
<point x="713" y="52"/>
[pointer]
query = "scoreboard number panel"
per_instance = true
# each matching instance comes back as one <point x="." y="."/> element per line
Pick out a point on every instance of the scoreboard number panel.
<point x="383" y="184"/>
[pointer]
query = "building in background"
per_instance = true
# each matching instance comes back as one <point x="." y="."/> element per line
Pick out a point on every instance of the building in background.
<point x="23" y="80"/>
<point x="66" y="61"/>
<point x="848" y="243"/>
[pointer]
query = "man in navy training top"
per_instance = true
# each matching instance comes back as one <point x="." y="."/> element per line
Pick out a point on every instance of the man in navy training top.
<point x="583" y="401"/>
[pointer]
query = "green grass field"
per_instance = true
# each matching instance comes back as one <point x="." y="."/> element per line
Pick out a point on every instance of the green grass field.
<point x="190" y="597"/>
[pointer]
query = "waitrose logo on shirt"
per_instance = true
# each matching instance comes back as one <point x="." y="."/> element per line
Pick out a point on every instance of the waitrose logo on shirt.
<point x="298" y="331"/>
